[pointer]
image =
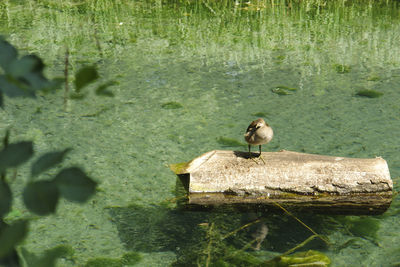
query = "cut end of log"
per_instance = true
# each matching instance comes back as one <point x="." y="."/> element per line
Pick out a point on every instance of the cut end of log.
<point x="304" y="181"/>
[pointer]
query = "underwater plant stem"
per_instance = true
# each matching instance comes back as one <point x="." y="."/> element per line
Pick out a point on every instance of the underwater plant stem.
<point x="209" y="245"/>
<point x="97" y="42"/>
<point x="66" y="92"/>
<point x="302" y="244"/>
<point x="306" y="226"/>
<point x="240" y="228"/>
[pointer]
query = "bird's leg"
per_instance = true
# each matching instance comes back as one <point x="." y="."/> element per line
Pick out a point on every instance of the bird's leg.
<point x="250" y="155"/>
<point x="260" y="155"/>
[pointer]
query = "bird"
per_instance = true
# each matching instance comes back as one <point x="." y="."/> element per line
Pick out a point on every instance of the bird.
<point x="258" y="133"/>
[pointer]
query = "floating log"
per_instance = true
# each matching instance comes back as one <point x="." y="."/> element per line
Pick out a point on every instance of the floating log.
<point x="299" y="181"/>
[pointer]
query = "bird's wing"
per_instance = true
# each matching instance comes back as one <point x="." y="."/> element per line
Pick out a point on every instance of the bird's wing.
<point x="251" y="127"/>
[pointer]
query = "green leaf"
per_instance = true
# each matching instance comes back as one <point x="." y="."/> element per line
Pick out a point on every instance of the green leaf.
<point x="41" y="197"/>
<point x="1" y="100"/>
<point x="5" y="198"/>
<point x="12" y="235"/>
<point x="15" y="154"/>
<point x="75" y="185"/>
<point x="47" y="161"/>
<point x="102" y="89"/>
<point x="8" y="54"/>
<point x="85" y="76"/>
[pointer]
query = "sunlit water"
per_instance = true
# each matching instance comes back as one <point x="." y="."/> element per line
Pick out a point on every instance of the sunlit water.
<point x="220" y="65"/>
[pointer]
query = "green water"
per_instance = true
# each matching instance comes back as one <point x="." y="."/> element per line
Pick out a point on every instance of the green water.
<point x="189" y="73"/>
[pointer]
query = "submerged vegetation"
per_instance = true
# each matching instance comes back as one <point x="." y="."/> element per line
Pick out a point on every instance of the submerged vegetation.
<point x="283" y="90"/>
<point x="236" y="30"/>
<point x="171" y="105"/>
<point x="369" y="93"/>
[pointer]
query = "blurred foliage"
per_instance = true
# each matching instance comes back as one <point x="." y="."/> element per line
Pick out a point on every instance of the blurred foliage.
<point x="23" y="77"/>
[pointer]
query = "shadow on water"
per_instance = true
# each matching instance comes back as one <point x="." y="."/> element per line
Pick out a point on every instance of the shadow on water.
<point x="157" y="228"/>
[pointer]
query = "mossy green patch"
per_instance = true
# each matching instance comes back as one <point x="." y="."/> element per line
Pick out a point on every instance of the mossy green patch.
<point x="179" y="168"/>
<point x="369" y="93"/>
<point x="341" y="68"/>
<point x="373" y="78"/>
<point x="131" y="258"/>
<point x="171" y="105"/>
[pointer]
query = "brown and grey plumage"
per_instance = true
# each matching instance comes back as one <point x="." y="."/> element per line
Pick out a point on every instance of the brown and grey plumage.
<point x="258" y="133"/>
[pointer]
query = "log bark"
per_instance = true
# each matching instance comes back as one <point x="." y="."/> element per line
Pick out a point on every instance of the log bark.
<point x="306" y="182"/>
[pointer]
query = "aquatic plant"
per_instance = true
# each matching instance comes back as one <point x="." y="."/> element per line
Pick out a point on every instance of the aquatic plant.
<point x="215" y="250"/>
<point x="369" y="93"/>
<point x="283" y="90"/>
<point x="171" y="105"/>
<point x="341" y="68"/>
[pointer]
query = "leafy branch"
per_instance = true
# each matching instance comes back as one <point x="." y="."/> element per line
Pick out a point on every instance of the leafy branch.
<point x="23" y="77"/>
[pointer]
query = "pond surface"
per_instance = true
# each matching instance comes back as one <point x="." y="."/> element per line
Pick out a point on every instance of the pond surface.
<point x="189" y="73"/>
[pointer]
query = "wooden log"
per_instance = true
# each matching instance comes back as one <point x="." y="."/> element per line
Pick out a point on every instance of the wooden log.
<point x="307" y="182"/>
